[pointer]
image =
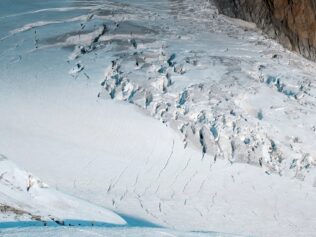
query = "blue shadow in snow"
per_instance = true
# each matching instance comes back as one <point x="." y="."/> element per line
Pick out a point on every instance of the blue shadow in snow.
<point x="82" y="223"/>
<point x="131" y="222"/>
<point x="137" y="222"/>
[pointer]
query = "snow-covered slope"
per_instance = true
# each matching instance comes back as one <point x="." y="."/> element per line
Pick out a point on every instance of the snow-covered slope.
<point x="24" y="197"/>
<point x="217" y="133"/>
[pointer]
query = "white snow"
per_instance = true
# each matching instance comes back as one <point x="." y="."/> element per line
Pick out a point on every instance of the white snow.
<point x="113" y="232"/>
<point x="25" y="197"/>
<point x="211" y="126"/>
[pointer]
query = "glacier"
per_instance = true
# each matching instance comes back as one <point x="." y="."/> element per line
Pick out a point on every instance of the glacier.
<point x="159" y="112"/>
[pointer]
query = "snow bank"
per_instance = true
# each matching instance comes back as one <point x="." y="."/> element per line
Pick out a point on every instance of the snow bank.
<point x="24" y="197"/>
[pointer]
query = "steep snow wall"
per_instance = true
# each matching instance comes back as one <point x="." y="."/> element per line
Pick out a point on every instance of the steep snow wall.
<point x="292" y="23"/>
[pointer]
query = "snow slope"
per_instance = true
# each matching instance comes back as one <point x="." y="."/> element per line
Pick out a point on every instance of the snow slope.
<point x="231" y="148"/>
<point x="24" y="197"/>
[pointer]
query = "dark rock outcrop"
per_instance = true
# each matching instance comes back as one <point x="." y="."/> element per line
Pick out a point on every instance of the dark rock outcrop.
<point x="291" y="22"/>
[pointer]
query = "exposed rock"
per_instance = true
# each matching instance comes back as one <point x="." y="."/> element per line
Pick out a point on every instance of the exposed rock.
<point x="291" y="22"/>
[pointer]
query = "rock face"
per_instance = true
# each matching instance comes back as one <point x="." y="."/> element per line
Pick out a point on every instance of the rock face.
<point x="291" y="22"/>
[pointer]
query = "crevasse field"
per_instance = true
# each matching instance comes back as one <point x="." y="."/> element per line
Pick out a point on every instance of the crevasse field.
<point x="151" y="118"/>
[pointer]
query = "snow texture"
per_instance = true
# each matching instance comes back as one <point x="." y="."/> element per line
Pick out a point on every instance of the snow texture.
<point x="231" y="147"/>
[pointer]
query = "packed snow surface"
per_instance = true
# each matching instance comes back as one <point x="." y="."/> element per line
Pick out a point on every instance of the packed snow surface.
<point x="163" y="111"/>
<point x="113" y="232"/>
